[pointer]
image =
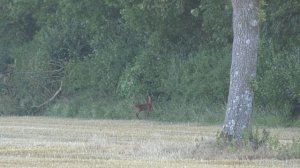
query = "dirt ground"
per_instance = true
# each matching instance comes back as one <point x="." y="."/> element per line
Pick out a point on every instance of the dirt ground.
<point x="55" y="142"/>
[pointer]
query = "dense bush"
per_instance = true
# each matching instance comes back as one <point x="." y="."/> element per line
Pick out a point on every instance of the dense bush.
<point x="279" y="78"/>
<point x="108" y="54"/>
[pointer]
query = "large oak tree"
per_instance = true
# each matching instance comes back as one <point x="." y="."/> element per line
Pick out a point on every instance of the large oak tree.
<point x="243" y="68"/>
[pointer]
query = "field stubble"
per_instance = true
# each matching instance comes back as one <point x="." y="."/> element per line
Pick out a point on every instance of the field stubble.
<point x="53" y="142"/>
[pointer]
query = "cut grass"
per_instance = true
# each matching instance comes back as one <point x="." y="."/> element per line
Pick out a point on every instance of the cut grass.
<point x="53" y="142"/>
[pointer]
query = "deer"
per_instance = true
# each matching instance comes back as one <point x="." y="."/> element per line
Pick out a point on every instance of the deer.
<point x="146" y="107"/>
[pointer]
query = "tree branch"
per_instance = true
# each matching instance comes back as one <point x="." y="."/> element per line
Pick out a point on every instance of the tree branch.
<point x="52" y="98"/>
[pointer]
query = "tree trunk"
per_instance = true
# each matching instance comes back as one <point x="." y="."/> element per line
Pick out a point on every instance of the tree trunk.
<point x="243" y="68"/>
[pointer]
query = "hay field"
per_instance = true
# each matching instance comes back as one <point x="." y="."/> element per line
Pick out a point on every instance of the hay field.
<point x="53" y="142"/>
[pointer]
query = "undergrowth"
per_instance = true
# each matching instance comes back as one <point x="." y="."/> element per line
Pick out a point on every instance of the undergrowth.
<point x="290" y="151"/>
<point x="258" y="144"/>
<point x="115" y="108"/>
<point x="203" y="112"/>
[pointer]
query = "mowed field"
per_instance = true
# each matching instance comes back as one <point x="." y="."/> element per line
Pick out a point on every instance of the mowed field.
<point x="54" y="142"/>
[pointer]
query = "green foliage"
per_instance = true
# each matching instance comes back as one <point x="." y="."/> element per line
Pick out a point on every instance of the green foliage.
<point x="279" y="76"/>
<point x="8" y="105"/>
<point x="261" y="12"/>
<point x="177" y="51"/>
<point x="253" y="139"/>
<point x="145" y="74"/>
<point x="290" y="151"/>
<point x="79" y="76"/>
<point x="176" y="111"/>
<point x="269" y="115"/>
<point x="110" y="63"/>
<point x="31" y="77"/>
<point x="17" y="22"/>
<point x="206" y="72"/>
<point x="68" y="40"/>
<point x="282" y="22"/>
<point x="216" y="18"/>
<point x="88" y="104"/>
<point x="258" y="138"/>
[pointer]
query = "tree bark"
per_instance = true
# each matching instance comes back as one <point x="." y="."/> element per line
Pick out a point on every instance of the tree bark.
<point x="243" y="68"/>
